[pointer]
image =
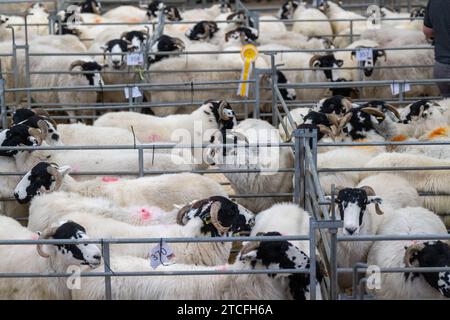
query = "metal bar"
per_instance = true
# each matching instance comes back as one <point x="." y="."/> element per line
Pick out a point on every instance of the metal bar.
<point x="3" y="102"/>
<point x="107" y="269"/>
<point x="312" y="254"/>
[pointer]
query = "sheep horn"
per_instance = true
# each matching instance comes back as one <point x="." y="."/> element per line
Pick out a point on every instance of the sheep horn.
<point x="394" y="110"/>
<point x="410" y="251"/>
<point x="207" y="28"/>
<point x="347" y="103"/>
<point x="333" y="118"/>
<point x="344" y="120"/>
<point x="44" y="129"/>
<point x="325" y="130"/>
<point x="373" y="111"/>
<point x="47" y="233"/>
<point x="314" y="59"/>
<point x="182" y="212"/>
<point x="124" y="35"/>
<point x="179" y="43"/>
<point x="214" y="212"/>
<point x="250" y="246"/>
<point x="76" y="64"/>
<point x="222" y="114"/>
<point x="370" y="192"/>
<point x="36" y="134"/>
<point x="58" y="178"/>
<point x="94" y="8"/>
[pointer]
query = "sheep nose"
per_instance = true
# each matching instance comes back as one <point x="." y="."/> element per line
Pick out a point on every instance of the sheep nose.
<point x="350" y="230"/>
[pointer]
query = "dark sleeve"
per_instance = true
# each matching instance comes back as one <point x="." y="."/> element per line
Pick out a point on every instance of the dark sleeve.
<point x="427" y="19"/>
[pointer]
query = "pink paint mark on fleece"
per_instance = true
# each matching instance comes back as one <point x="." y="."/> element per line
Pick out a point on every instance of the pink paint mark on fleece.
<point x="145" y="214"/>
<point x="75" y="168"/>
<point x="222" y="268"/>
<point x="35" y="236"/>
<point x="110" y="179"/>
<point x="154" y="137"/>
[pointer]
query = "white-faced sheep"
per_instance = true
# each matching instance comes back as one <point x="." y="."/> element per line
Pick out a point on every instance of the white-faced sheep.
<point x="164" y="191"/>
<point x="215" y="216"/>
<point x="42" y="259"/>
<point x="266" y="158"/>
<point x="407" y="253"/>
<point x="255" y="255"/>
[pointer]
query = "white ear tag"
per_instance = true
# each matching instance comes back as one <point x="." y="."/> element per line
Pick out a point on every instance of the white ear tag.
<point x="135" y="59"/>
<point x="364" y="54"/>
<point x="160" y="254"/>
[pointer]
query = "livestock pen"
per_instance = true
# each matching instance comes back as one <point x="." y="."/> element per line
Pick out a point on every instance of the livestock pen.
<point x="265" y="101"/>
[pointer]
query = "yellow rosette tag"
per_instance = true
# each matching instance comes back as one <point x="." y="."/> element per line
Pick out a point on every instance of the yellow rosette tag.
<point x="249" y="53"/>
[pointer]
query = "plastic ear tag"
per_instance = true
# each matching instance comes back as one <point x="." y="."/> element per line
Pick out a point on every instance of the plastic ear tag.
<point x="160" y="254"/>
<point x="364" y="54"/>
<point x="135" y="92"/>
<point x="249" y="53"/>
<point x="135" y="59"/>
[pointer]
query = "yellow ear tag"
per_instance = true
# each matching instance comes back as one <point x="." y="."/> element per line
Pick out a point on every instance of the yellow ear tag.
<point x="249" y="53"/>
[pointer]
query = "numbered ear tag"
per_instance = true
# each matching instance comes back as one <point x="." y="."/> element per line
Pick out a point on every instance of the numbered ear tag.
<point x="135" y="59"/>
<point x="160" y="254"/>
<point x="364" y="54"/>
<point x="249" y="53"/>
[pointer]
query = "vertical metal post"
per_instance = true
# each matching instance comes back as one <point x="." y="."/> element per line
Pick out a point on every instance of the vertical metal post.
<point x="257" y="108"/>
<point x="141" y="161"/>
<point x="401" y="91"/>
<point x="130" y="98"/>
<point x="297" y="167"/>
<point x="302" y="157"/>
<point x="312" y="253"/>
<point x="3" y="102"/>
<point x="274" y="94"/>
<point x="27" y="64"/>
<point x="314" y="147"/>
<point x="333" y="250"/>
<point x="106" y="261"/>
<point x="15" y="65"/>
<point x="351" y="31"/>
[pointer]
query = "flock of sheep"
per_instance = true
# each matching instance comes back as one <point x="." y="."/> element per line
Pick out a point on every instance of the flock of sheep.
<point x="61" y="204"/>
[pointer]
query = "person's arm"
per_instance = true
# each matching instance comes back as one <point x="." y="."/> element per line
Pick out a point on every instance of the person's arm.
<point x="428" y="32"/>
<point x="427" y="25"/>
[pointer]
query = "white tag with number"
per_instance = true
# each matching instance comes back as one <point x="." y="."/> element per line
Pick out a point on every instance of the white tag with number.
<point x="364" y="54"/>
<point x="135" y="92"/>
<point x="160" y="254"/>
<point x="135" y="59"/>
<point x="395" y="88"/>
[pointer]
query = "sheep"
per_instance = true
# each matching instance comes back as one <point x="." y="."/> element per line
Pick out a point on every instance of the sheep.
<point x="43" y="259"/>
<point x="344" y="157"/>
<point x="103" y="160"/>
<point x="394" y="38"/>
<point x="259" y="255"/>
<point x="37" y="15"/>
<point x="210" y="115"/>
<point x="288" y="219"/>
<point x="115" y="61"/>
<point x="210" y="13"/>
<point x="267" y="158"/>
<point x="164" y="191"/>
<point x="312" y="69"/>
<point x="334" y="12"/>
<point x="215" y="216"/>
<point x="81" y="134"/>
<point x="311" y="29"/>
<point x="391" y="58"/>
<point x="65" y="42"/>
<point x="423" y="116"/>
<point x="91" y="77"/>
<point x="271" y="24"/>
<point x="292" y="40"/>
<point x="406" y="253"/>
<point x="434" y="181"/>
<point x="232" y="62"/>
<point x="126" y="14"/>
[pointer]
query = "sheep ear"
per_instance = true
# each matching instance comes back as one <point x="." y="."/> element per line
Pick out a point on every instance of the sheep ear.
<point x="339" y="63"/>
<point x="374" y="199"/>
<point x="63" y="170"/>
